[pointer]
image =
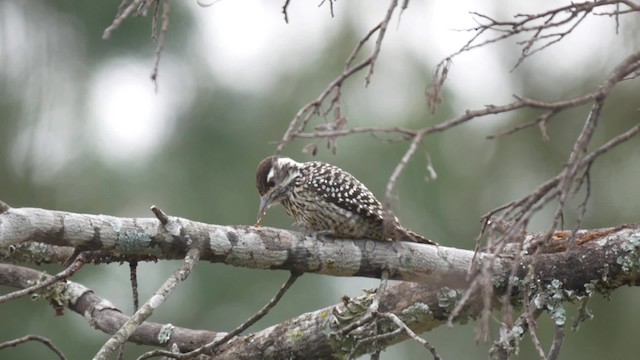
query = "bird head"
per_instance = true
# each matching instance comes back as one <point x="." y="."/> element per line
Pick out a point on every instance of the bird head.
<point x="274" y="180"/>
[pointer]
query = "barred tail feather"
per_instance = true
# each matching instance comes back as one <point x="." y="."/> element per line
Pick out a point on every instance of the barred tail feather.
<point x="408" y="235"/>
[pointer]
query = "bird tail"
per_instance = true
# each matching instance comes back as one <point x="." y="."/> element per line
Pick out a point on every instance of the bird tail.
<point x="403" y="234"/>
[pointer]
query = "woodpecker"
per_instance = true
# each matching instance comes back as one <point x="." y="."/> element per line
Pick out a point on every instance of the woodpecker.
<point x="321" y="197"/>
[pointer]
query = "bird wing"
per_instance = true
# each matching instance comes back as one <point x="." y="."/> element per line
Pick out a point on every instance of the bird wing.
<point x="337" y="186"/>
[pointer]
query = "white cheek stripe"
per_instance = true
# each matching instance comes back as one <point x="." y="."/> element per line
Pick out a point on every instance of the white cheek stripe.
<point x="270" y="175"/>
<point x="283" y="161"/>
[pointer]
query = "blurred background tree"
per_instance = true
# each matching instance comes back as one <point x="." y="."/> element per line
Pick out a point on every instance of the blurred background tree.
<point x="83" y="130"/>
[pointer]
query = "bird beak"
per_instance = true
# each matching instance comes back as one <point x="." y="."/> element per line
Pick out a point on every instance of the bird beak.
<point x="265" y="202"/>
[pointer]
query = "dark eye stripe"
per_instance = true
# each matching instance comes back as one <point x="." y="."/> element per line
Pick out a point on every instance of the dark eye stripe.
<point x="261" y="175"/>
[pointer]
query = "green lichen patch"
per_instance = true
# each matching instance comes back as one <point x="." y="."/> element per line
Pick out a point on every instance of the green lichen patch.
<point x="417" y="313"/>
<point x="135" y="242"/>
<point x="447" y="298"/>
<point x="630" y="260"/>
<point x="295" y="335"/>
<point x="165" y="333"/>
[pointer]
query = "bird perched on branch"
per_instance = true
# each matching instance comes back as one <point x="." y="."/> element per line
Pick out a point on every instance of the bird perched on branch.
<point x="322" y="197"/>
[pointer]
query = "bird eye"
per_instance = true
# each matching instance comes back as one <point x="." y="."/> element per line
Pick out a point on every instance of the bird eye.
<point x="271" y="184"/>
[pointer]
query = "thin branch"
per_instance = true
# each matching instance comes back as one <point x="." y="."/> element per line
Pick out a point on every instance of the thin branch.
<point x="539" y="26"/>
<point x="133" y="278"/>
<point x="542" y="29"/>
<point x="519" y="212"/>
<point x="253" y="319"/>
<point x="388" y="194"/>
<point x="304" y="115"/>
<point x="48" y="343"/>
<point x="63" y="275"/>
<point x="284" y="10"/>
<point x="383" y="29"/>
<point x="531" y="314"/>
<point x="400" y="324"/>
<point x="468" y="115"/>
<point x="121" y="16"/>
<point x="558" y="338"/>
<point x="166" y="11"/>
<point x="609" y="145"/>
<point x="160" y="296"/>
<point x="540" y="121"/>
<point x="330" y="6"/>
<point x="373" y="339"/>
<point x="358" y="130"/>
<point x="384" y="280"/>
<point x="208" y="348"/>
<point x="164" y="219"/>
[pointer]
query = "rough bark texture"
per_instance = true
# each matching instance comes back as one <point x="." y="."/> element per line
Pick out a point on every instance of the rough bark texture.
<point x="567" y="268"/>
<point x="245" y="246"/>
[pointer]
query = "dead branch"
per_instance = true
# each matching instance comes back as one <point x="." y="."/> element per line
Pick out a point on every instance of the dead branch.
<point x="47" y="342"/>
<point x="542" y="29"/>
<point x="65" y="274"/>
<point x="565" y="276"/>
<point x="143" y="239"/>
<point x="130" y="326"/>
<point x="306" y="113"/>
<point x="214" y="344"/>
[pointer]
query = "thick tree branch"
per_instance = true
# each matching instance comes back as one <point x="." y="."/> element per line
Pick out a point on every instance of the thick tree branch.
<point x="245" y="246"/>
<point x="598" y="260"/>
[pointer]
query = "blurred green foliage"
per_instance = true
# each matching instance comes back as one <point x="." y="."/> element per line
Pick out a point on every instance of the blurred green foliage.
<point x="204" y="170"/>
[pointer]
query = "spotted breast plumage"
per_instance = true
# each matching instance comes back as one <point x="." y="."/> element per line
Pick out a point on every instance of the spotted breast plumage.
<point x="323" y="197"/>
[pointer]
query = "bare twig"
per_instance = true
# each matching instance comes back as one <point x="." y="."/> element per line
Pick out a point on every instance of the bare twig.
<point x="330" y="6"/>
<point x="468" y="115"/>
<point x="121" y="16"/>
<point x="140" y="8"/>
<point x="373" y="339"/>
<point x="384" y="279"/>
<point x="133" y="277"/>
<point x="374" y="314"/>
<point x="148" y="308"/>
<point x="255" y="317"/>
<point x="388" y="194"/>
<point x="560" y="186"/>
<point x="63" y="275"/>
<point x="123" y="5"/>
<point x="433" y="93"/>
<point x="531" y="314"/>
<point x="615" y="141"/>
<point x="164" y="219"/>
<point x="208" y="348"/>
<point x="400" y="324"/>
<point x="48" y="343"/>
<point x="166" y="11"/>
<point x="383" y="29"/>
<point x="359" y="130"/>
<point x="285" y="7"/>
<point x="304" y="115"/>
<point x="520" y="211"/>
<point x="539" y="27"/>
<point x="541" y="121"/>
<point x="542" y="29"/>
<point x="554" y="352"/>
